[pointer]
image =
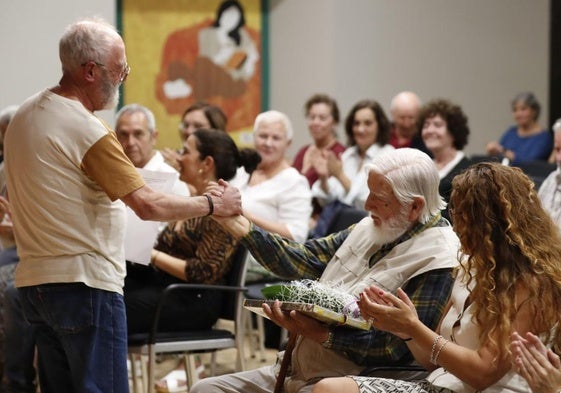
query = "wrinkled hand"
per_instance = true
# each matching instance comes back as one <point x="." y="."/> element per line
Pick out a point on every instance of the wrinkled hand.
<point x="384" y="311"/>
<point x="171" y="157"/>
<point x="537" y="364"/>
<point x="296" y="323"/>
<point x="228" y="202"/>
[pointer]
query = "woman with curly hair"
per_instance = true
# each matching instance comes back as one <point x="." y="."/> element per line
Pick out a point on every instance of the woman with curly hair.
<point x="444" y="128"/>
<point x="509" y="281"/>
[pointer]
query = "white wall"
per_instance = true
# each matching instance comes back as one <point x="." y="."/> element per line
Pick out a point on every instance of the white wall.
<point x="30" y="31"/>
<point x="479" y="53"/>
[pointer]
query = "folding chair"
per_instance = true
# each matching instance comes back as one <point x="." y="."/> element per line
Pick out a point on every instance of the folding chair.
<point x="190" y="342"/>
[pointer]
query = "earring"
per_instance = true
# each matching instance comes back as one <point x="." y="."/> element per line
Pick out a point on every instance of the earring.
<point x="200" y="171"/>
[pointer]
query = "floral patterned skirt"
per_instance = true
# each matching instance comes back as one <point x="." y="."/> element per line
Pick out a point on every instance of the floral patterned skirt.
<point x="383" y="385"/>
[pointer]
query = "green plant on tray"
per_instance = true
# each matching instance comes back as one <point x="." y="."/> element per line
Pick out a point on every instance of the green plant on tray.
<point x="322" y="294"/>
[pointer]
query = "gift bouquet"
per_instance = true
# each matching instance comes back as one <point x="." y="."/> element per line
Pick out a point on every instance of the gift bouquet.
<point x="323" y="301"/>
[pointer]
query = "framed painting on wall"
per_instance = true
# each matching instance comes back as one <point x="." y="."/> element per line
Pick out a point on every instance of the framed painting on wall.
<point x="186" y="51"/>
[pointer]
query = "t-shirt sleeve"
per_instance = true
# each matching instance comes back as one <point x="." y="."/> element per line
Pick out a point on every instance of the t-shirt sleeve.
<point x="107" y="165"/>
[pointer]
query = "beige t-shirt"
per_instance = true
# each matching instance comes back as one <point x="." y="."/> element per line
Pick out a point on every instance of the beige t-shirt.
<point x="65" y="172"/>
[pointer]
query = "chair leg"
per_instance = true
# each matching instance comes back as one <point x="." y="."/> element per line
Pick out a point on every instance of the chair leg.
<point x="150" y="384"/>
<point x="256" y="337"/>
<point x="249" y="331"/>
<point x="213" y="363"/>
<point x="144" y="372"/>
<point x="240" y="357"/>
<point x="134" y="374"/>
<point x="190" y="370"/>
<point x="261" y="336"/>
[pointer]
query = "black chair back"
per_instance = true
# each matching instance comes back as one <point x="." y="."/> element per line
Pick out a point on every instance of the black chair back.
<point x="537" y="170"/>
<point x="236" y="278"/>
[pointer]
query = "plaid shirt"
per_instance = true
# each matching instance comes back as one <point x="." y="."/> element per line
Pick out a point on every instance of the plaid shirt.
<point x="290" y="260"/>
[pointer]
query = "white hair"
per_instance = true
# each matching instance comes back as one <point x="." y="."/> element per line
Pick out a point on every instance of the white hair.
<point x="86" y="40"/>
<point x="134" y="108"/>
<point x="411" y="174"/>
<point x="273" y="117"/>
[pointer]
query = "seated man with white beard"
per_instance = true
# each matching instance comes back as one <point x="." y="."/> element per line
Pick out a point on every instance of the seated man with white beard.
<point x="404" y="243"/>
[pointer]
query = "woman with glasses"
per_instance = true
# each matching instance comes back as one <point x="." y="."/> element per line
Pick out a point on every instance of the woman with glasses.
<point x="198" y="115"/>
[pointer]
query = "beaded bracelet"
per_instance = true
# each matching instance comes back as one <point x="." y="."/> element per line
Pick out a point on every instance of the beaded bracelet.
<point x="210" y="205"/>
<point x="432" y="353"/>
<point x="438" y="352"/>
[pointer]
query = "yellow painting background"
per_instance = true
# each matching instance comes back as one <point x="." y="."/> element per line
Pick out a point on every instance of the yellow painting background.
<point x="146" y="25"/>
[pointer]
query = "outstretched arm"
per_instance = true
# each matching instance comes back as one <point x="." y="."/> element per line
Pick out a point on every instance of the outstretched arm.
<point x="148" y="204"/>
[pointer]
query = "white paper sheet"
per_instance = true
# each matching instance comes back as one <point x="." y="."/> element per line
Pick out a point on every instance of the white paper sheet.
<point x="140" y="235"/>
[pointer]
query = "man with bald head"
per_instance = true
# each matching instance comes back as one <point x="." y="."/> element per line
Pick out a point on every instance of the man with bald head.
<point x="404" y="109"/>
<point x="68" y="178"/>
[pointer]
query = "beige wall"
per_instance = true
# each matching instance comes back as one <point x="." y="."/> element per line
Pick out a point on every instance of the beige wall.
<point x="478" y="53"/>
<point x="30" y="31"/>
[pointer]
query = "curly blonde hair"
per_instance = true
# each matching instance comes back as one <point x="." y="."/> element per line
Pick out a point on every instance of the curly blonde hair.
<point x="509" y="241"/>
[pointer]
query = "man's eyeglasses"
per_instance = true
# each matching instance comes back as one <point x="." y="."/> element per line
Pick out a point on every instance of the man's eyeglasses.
<point x="124" y="72"/>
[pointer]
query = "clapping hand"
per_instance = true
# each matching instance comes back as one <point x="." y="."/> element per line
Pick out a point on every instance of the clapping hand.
<point x="334" y="164"/>
<point x="536" y="363"/>
<point x="385" y="311"/>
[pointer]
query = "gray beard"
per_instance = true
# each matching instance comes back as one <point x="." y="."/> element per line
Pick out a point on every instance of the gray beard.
<point x="391" y="230"/>
<point x="113" y="100"/>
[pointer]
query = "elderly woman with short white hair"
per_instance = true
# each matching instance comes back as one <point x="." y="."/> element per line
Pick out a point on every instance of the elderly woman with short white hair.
<point x="276" y="196"/>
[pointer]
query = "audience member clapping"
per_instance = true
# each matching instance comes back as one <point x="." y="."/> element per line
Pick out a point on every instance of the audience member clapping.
<point x="322" y="116"/>
<point x="368" y="132"/>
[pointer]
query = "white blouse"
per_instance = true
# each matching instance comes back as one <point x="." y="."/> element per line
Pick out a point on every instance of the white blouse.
<point x="285" y="198"/>
<point x="353" y="167"/>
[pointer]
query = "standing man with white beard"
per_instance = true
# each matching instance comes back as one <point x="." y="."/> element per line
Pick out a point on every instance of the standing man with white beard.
<point x="404" y="243"/>
<point x="66" y="172"/>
